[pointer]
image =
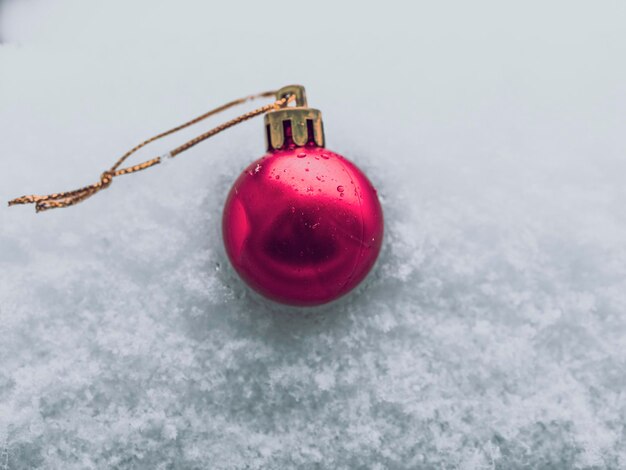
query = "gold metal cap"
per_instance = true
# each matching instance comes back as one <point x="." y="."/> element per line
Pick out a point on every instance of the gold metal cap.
<point x="297" y="125"/>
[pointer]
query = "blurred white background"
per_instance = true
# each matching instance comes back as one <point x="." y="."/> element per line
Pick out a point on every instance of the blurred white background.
<point x="493" y="331"/>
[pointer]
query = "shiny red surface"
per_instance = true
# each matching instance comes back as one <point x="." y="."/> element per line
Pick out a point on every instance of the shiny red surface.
<point x="302" y="226"/>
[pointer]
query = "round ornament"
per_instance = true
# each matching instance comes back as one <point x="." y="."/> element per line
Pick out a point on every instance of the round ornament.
<point x="302" y="225"/>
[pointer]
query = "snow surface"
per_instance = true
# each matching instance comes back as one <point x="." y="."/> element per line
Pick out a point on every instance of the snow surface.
<point x="492" y="333"/>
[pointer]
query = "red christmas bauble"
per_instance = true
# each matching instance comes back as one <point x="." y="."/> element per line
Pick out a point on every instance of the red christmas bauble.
<point x="302" y="225"/>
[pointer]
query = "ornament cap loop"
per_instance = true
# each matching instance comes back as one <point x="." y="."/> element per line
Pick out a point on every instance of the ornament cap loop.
<point x="296" y="90"/>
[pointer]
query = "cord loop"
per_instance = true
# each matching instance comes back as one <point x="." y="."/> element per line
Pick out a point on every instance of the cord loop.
<point x="69" y="198"/>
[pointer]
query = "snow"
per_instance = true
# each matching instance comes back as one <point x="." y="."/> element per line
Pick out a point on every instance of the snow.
<point x="492" y="333"/>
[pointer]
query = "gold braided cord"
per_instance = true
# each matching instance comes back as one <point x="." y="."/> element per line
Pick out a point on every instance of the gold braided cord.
<point x="69" y="198"/>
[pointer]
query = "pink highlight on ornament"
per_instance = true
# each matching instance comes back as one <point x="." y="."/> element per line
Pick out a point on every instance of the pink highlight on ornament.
<point x="301" y="240"/>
